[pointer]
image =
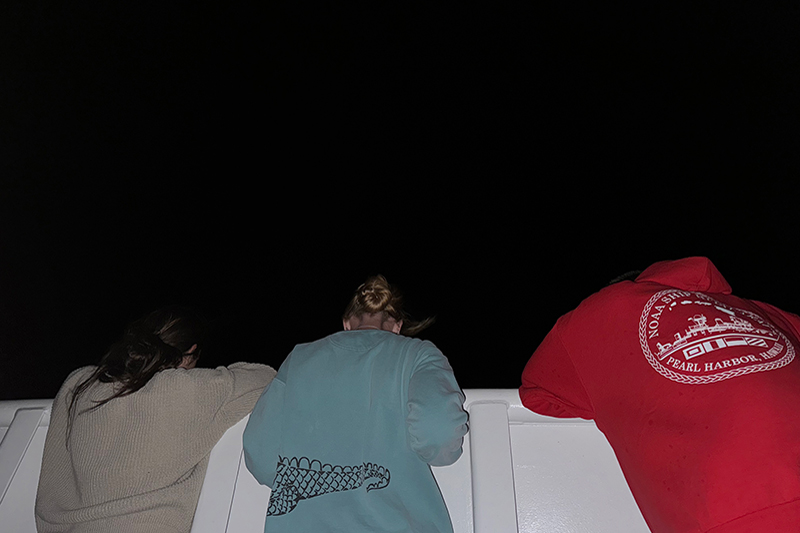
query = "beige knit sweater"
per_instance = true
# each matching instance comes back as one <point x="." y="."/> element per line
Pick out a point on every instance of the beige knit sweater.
<point x="137" y="463"/>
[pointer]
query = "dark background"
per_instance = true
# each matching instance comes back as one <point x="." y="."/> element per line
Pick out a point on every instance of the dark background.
<point x="499" y="161"/>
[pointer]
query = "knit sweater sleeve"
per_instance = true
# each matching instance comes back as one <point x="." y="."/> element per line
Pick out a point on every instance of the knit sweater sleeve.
<point x="56" y="490"/>
<point x="141" y="457"/>
<point x="221" y="397"/>
<point x="247" y="383"/>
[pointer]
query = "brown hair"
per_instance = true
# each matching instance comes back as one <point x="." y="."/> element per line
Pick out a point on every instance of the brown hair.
<point x="375" y="296"/>
<point x="156" y="342"/>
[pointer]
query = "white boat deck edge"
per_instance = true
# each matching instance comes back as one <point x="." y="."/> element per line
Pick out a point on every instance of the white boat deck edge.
<point x="520" y="472"/>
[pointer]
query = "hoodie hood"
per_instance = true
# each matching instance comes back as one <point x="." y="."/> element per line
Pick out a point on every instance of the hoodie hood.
<point x="690" y="274"/>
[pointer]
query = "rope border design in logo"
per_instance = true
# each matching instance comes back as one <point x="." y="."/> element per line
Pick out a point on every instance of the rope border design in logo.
<point x="705" y="380"/>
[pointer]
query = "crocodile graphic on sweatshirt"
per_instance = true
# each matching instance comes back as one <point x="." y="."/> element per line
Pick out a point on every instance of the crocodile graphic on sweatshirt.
<point x="300" y="479"/>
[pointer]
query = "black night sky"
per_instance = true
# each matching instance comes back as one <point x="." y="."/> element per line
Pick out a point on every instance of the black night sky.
<point x="498" y="161"/>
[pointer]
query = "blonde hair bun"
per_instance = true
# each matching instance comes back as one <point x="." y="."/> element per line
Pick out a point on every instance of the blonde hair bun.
<point x="374" y="295"/>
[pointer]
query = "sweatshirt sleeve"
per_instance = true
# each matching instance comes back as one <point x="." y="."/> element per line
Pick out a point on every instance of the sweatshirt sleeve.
<point x="262" y="435"/>
<point x="550" y="384"/>
<point x="436" y="420"/>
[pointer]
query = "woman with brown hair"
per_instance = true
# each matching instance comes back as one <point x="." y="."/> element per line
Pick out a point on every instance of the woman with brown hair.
<point x="129" y="439"/>
<point x="346" y="433"/>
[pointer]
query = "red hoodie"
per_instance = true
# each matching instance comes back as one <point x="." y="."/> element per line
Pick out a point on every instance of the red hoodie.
<point x="696" y="390"/>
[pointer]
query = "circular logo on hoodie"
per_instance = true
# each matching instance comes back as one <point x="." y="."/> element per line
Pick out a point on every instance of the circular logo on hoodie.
<point x="692" y="338"/>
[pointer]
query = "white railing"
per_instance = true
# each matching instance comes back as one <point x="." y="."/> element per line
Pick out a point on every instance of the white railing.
<point x="520" y="472"/>
<point x="23" y="426"/>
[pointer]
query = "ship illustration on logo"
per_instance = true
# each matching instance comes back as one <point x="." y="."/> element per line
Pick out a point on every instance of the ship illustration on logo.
<point x="701" y="338"/>
<point x="693" y="338"/>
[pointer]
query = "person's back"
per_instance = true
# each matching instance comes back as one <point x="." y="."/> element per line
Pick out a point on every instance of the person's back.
<point x="346" y="432"/>
<point x="695" y="389"/>
<point x="135" y="462"/>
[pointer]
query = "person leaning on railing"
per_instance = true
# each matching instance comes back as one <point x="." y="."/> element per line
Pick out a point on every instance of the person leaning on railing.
<point x="696" y="389"/>
<point x="346" y="433"/>
<point x="129" y="440"/>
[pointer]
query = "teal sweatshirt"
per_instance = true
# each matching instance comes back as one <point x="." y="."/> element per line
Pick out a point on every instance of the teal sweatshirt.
<point x="345" y="433"/>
